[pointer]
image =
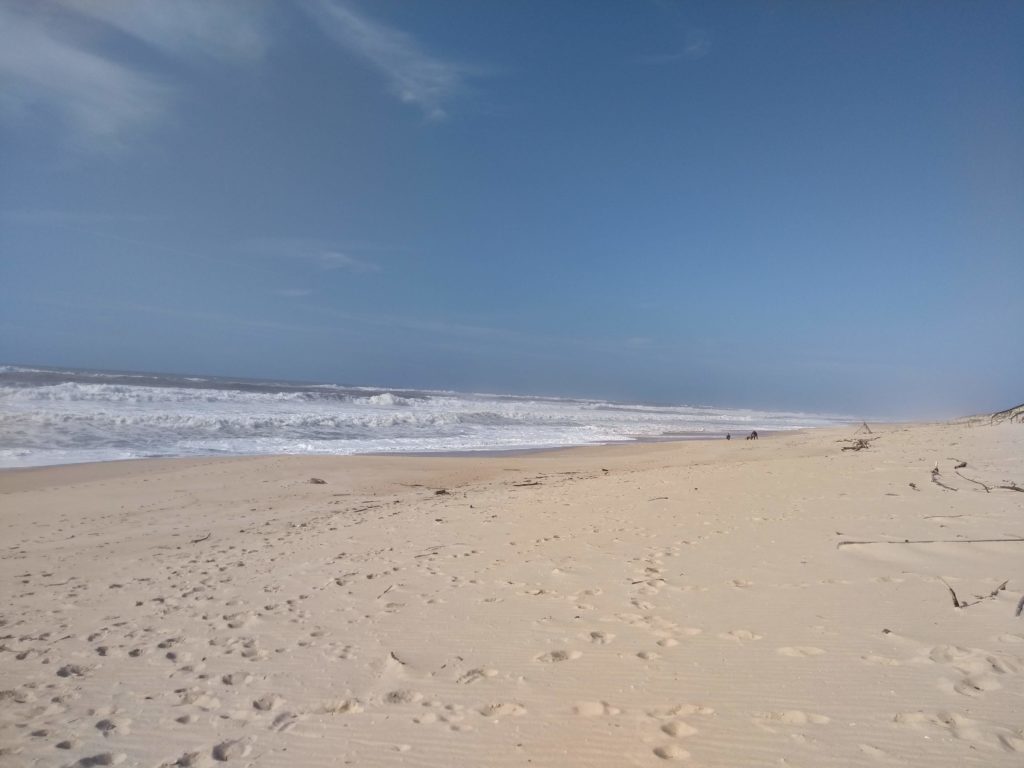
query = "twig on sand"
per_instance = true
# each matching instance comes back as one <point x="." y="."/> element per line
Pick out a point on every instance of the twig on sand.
<point x="935" y="479"/>
<point x="1011" y="487"/>
<point x="956" y="602"/>
<point x="385" y="591"/>
<point x="1020" y="607"/>
<point x="995" y="592"/>
<point x="931" y="541"/>
<point x="203" y="538"/>
<point x="858" y="444"/>
<point x="397" y="659"/>
<point x="970" y="480"/>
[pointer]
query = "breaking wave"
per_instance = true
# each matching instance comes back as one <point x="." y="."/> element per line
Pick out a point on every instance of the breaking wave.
<point x="50" y="416"/>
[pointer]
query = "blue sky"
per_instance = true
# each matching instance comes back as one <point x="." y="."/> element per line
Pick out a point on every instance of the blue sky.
<point x="770" y="204"/>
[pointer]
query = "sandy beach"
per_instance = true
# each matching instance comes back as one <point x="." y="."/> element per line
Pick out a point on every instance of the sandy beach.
<point x="745" y="603"/>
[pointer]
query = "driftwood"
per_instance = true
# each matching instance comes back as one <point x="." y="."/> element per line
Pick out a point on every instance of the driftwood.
<point x="957" y="603"/>
<point x="1020" y="607"/>
<point x="317" y="481"/>
<point x="859" y="445"/>
<point x="204" y="538"/>
<point x="935" y="479"/>
<point x="930" y="541"/>
<point x="970" y="480"/>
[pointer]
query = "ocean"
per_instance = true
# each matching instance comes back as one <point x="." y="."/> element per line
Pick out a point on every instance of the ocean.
<point x="57" y="416"/>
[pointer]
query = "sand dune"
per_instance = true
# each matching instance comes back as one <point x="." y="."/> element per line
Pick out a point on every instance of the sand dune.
<point x="627" y="605"/>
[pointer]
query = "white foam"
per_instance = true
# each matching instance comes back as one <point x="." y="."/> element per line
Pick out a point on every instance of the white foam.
<point x="74" y="421"/>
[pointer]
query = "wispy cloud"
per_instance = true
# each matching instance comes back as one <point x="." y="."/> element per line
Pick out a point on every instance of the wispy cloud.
<point x="219" y="29"/>
<point x="338" y="260"/>
<point x="696" y="45"/>
<point x="323" y="254"/>
<point x="57" y="60"/>
<point x="43" y="69"/>
<point x="416" y="77"/>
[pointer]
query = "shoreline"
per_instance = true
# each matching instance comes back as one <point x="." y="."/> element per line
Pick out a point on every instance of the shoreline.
<point x="625" y="604"/>
<point x="481" y="453"/>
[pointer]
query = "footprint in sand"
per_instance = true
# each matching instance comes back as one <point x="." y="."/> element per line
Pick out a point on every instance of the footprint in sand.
<point x="877" y="754"/>
<point x="552" y="657"/>
<point x="883" y="661"/>
<point x="267" y="703"/>
<point x="601" y="638"/>
<point x="671" y="752"/>
<point x="794" y="717"/>
<point x="474" y="675"/>
<point x="740" y="634"/>
<point x="503" y="709"/>
<point x="678" y="729"/>
<point x="595" y="709"/>
<point x="976" y="685"/>
<point x="958" y="726"/>
<point x="799" y="651"/>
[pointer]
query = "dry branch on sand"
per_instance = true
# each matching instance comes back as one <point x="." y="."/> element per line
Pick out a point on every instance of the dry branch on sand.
<point x="930" y="541"/>
<point x="858" y="443"/>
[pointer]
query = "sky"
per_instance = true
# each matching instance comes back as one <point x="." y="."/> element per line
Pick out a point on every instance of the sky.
<point x="800" y="205"/>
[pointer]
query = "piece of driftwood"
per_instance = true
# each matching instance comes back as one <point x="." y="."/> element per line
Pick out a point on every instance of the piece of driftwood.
<point x="858" y="443"/>
<point x="958" y="603"/>
<point x="1020" y="607"/>
<point x="931" y="541"/>
<point x="971" y="480"/>
<point x="317" y="481"/>
<point x="1011" y="487"/>
<point x="204" y="538"/>
<point x="935" y="479"/>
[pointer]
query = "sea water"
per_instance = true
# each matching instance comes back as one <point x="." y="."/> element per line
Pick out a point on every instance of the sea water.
<point x="55" y="416"/>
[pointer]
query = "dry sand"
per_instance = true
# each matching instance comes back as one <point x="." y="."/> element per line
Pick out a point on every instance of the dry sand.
<point x="618" y="606"/>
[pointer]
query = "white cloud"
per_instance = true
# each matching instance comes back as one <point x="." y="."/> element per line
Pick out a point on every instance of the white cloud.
<point x="338" y="260"/>
<point x="54" y="61"/>
<point x="415" y="76"/>
<point x="44" y="70"/>
<point x="217" y="28"/>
